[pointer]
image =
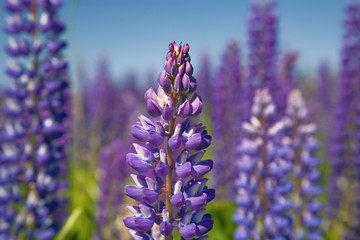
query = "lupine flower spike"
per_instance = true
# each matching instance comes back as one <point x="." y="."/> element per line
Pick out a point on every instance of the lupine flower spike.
<point x="305" y="171"/>
<point x="262" y="182"/>
<point x="262" y="42"/>
<point x="41" y="99"/>
<point x="170" y="187"/>
<point x="345" y="143"/>
<point x="228" y="109"/>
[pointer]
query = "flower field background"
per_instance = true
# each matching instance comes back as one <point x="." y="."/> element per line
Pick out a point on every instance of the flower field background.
<point x="282" y="158"/>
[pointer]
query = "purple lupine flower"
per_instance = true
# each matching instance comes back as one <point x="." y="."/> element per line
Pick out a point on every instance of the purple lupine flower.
<point x="344" y="147"/>
<point x="228" y="108"/>
<point x="14" y="143"/>
<point x="40" y="101"/>
<point x="306" y="173"/>
<point x="262" y="69"/>
<point x="113" y="172"/>
<point x="53" y="109"/>
<point x="170" y="187"/>
<point x="262" y="182"/>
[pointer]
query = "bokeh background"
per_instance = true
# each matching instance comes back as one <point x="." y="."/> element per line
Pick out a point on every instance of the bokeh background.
<point x="116" y="50"/>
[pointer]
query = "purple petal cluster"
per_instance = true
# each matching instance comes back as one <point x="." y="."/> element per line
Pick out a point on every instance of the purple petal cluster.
<point x="305" y="171"/>
<point x="262" y="184"/>
<point x="345" y="145"/>
<point x="170" y="185"/>
<point x="263" y="54"/>
<point x="228" y="114"/>
<point x="39" y="106"/>
<point x="14" y="143"/>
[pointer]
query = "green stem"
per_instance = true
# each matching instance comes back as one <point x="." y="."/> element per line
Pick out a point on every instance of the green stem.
<point x="262" y="184"/>
<point x="169" y="185"/>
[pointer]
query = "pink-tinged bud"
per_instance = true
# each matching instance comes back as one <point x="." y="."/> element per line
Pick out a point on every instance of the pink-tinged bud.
<point x="186" y="48"/>
<point x="177" y="83"/>
<point x="189" y="69"/>
<point x="167" y="112"/>
<point x="173" y="70"/>
<point x="180" y="59"/>
<point x="167" y="65"/>
<point x="171" y="47"/>
<point x="182" y="69"/>
<point x="185" y="83"/>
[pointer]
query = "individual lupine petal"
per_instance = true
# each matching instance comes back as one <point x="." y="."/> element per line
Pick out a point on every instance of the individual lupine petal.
<point x="168" y="111"/>
<point x="185" y="109"/>
<point x="204" y="226"/>
<point x="185" y="83"/>
<point x="196" y="105"/>
<point x="177" y="83"/>
<point x="202" y="168"/>
<point x="55" y="46"/>
<point x="188" y="231"/>
<point x="14" y="69"/>
<point x="177" y="199"/>
<point x="198" y="141"/>
<point x="189" y="69"/>
<point x="150" y="196"/>
<point x="137" y="163"/>
<point x="196" y="158"/>
<point x="134" y="192"/>
<point x="138" y="223"/>
<point x="173" y="69"/>
<point x="181" y="70"/>
<point x="139" y="235"/>
<point x="162" y="169"/>
<point x="166" y="227"/>
<point x="175" y="140"/>
<point x="14" y="5"/>
<point x="184" y="170"/>
<point x="14" y="24"/>
<point x="155" y="138"/>
<point x="196" y="202"/>
<point x="164" y="82"/>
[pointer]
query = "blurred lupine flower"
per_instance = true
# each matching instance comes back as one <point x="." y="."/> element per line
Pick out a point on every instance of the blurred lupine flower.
<point x="262" y="68"/>
<point x="344" y="147"/>
<point x="287" y="77"/>
<point x="305" y="171"/>
<point x="14" y="146"/>
<point x="324" y="86"/>
<point x="205" y="77"/>
<point x="171" y="151"/>
<point x="228" y="108"/>
<point x="101" y="95"/>
<point x="40" y="102"/>
<point x="262" y="183"/>
<point x="113" y="171"/>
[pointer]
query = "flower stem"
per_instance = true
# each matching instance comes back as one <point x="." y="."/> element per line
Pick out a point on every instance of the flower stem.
<point x="263" y="176"/>
<point x="169" y="185"/>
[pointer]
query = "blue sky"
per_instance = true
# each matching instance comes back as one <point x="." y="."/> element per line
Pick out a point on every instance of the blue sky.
<point x="134" y="34"/>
